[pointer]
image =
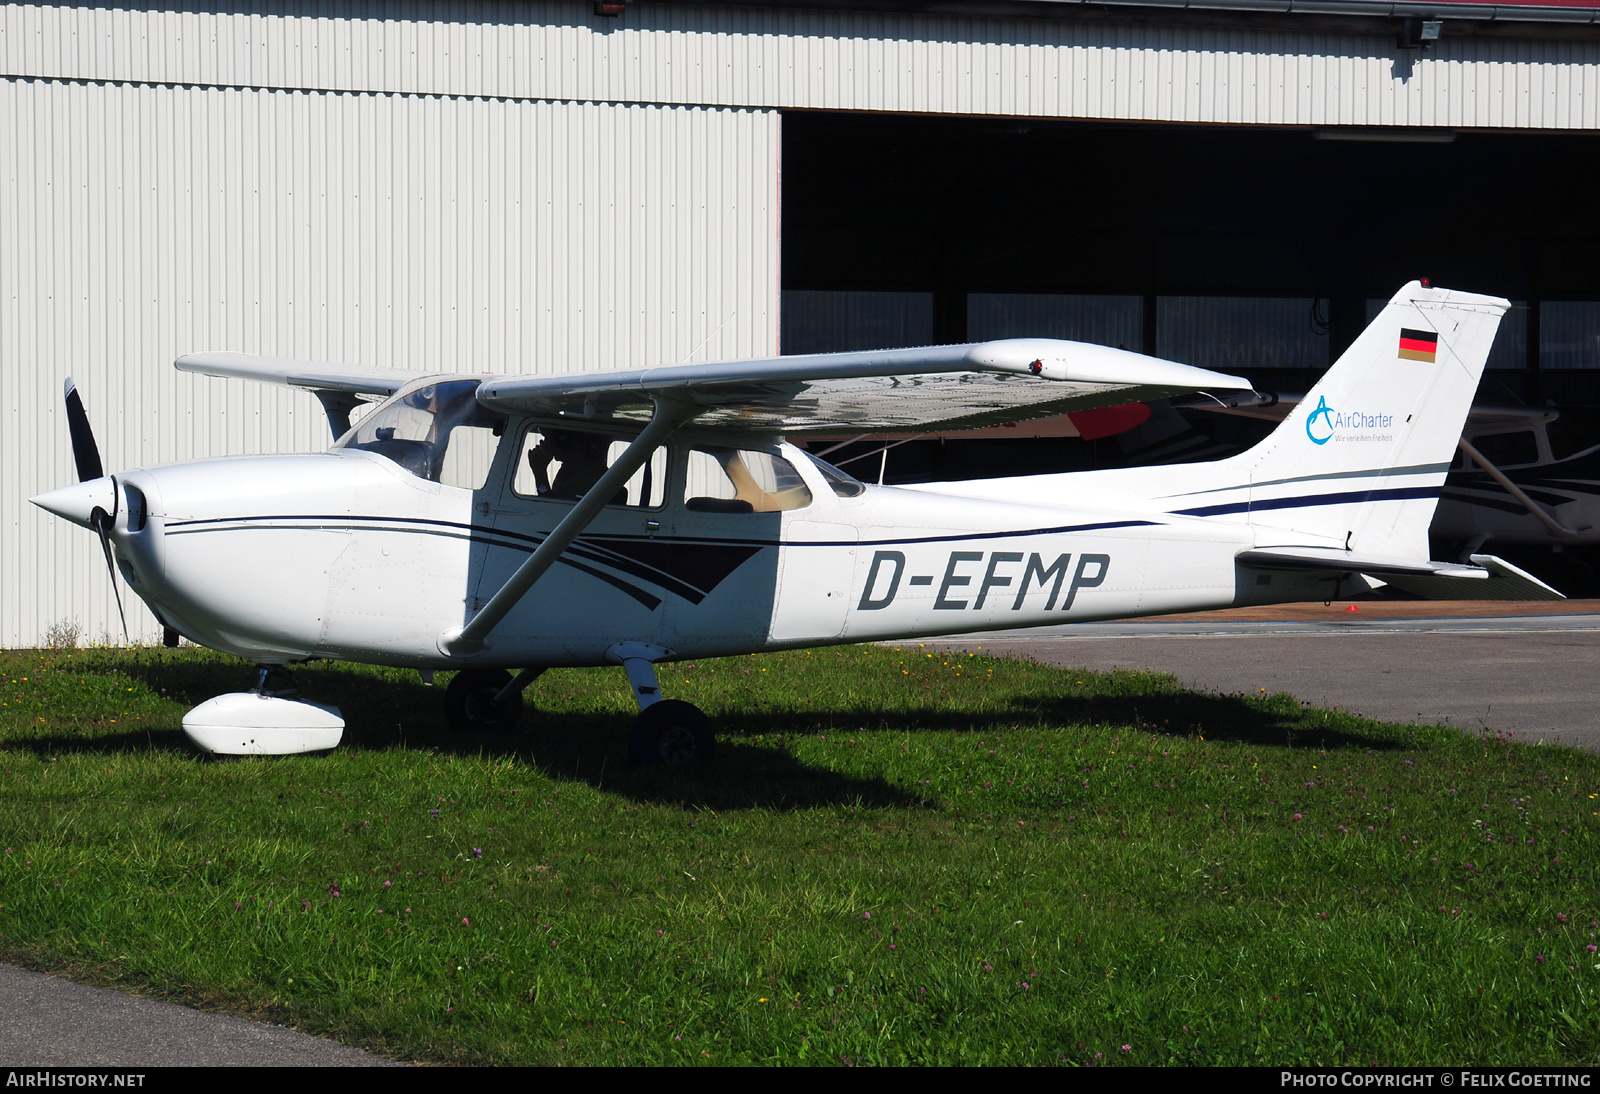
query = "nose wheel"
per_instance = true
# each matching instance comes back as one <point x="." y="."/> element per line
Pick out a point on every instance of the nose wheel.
<point x="483" y="700"/>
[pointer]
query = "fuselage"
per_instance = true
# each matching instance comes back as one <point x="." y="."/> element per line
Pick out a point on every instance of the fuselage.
<point x="349" y="555"/>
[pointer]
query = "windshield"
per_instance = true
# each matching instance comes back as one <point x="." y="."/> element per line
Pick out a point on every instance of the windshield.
<point x="415" y="428"/>
<point x="838" y="481"/>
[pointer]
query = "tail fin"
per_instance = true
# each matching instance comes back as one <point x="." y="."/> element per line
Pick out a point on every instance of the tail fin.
<point x="1359" y="464"/>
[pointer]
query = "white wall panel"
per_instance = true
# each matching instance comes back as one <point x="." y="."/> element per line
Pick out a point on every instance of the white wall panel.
<point x="768" y="58"/>
<point x="140" y="222"/>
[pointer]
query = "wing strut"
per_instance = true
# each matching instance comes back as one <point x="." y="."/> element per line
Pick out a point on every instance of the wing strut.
<point x="468" y="640"/>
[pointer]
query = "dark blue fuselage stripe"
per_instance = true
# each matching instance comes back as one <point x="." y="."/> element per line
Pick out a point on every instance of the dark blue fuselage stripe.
<point x="1349" y="497"/>
<point x="651" y="603"/>
<point x="957" y="537"/>
<point x="965" y="536"/>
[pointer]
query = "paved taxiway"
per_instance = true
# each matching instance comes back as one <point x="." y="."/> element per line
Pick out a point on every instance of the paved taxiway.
<point x="1473" y="666"/>
<point x="50" y="1022"/>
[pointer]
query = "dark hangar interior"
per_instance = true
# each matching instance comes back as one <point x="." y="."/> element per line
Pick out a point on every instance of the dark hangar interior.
<point x="1250" y="249"/>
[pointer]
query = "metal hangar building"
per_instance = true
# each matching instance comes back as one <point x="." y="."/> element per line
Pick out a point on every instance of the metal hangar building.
<point x="550" y="186"/>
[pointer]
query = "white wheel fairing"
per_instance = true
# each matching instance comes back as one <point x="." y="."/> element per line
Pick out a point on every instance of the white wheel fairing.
<point x="247" y="723"/>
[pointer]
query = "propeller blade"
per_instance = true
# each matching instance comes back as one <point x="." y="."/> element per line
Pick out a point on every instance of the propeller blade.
<point x="102" y="526"/>
<point x="84" y="450"/>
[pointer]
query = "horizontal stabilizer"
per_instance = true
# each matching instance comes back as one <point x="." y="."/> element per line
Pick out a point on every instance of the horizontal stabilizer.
<point x="1488" y="578"/>
<point x="1334" y="560"/>
<point x="1502" y="581"/>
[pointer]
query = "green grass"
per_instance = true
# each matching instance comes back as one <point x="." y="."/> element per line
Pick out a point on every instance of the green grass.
<point x="899" y="856"/>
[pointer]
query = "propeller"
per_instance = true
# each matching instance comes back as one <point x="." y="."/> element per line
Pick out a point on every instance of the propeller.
<point x="84" y="450"/>
<point x="87" y="456"/>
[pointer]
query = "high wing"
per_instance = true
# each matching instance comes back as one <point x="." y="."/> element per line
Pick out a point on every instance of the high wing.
<point x="337" y="387"/>
<point x="965" y="386"/>
<point x="311" y="375"/>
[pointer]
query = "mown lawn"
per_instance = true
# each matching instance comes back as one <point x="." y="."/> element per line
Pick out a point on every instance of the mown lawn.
<point x="899" y="856"/>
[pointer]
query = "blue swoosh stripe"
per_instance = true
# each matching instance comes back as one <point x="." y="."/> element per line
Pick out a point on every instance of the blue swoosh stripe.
<point x="1403" y="493"/>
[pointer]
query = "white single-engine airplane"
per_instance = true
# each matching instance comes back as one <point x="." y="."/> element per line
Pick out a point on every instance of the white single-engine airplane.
<point x="492" y="523"/>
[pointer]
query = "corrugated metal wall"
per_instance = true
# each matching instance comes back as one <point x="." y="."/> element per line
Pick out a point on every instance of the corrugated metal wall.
<point x="140" y="222"/>
<point x="1239" y="334"/>
<point x="1104" y="320"/>
<point x="829" y="320"/>
<point x="1567" y="334"/>
<point x="769" y="57"/>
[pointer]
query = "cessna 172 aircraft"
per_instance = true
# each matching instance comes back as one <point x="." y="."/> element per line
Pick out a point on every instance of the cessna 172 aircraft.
<point x="495" y="523"/>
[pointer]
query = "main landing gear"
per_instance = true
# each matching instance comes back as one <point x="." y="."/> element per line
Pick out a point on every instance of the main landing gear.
<point x="668" y="732"/>
<point x="671" y="733"/>
<point x="486" y="699"/>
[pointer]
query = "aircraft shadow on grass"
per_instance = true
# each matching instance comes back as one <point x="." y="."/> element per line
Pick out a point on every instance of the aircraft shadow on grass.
<point x="591" y="747"/>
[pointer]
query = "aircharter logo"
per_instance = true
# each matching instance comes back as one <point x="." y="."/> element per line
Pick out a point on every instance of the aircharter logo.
<point x="1325" y="423"/>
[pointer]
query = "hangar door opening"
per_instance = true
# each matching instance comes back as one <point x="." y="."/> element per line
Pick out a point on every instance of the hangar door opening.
<point x="1253" y="250"/>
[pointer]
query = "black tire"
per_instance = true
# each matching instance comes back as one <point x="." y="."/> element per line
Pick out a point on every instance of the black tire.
<point x="469" y="702"/>
<point x="671" y="734"/>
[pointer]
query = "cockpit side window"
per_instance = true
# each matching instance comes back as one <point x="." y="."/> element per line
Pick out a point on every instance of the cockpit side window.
<point x="436" y="430"/>
<point x="563" y="464"/>
<point x="737" y="480"/>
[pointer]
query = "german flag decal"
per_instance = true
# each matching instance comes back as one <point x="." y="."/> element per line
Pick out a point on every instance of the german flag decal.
<point x="1418" y="345"/>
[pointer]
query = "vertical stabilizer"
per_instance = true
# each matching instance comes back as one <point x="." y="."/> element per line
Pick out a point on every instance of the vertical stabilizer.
<point x="1359" y="464"/>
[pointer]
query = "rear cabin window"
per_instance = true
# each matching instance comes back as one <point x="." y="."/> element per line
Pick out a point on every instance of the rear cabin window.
<point x="562" y="464"/>
<point x="741" y="480"/>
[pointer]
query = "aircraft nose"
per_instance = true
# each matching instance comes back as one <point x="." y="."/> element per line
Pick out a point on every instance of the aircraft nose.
<point x="76" y="502"/>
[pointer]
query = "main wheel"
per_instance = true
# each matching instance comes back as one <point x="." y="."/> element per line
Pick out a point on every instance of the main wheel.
<point x="469" y="701"/>
<point x="671" y="733"/>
